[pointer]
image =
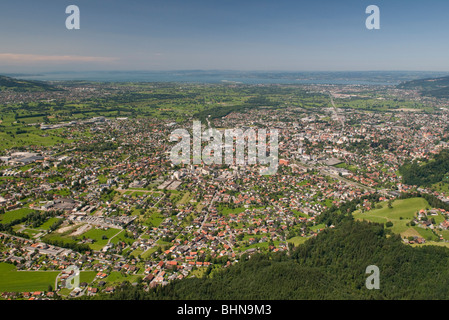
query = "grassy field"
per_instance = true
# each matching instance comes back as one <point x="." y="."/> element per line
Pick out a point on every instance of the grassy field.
<point x="400" y="215"/>
<point x="185" y="198"/>
<point x="13" y="135"/>
<point x="155" y="218"/>
<point x="15" y="214"/>
<point x="47" y="224"/>
<point x="121" y="237"/>
<point x="149" y="252"/>
<point x="426" y="233"/>
<point x="64" y="237"/>
<point x="136" y="252"/>
<point x="317" y="227"/>
<point x="299" y="214"/>
<point x="297" y="240"/>
<point x="261" y="245"/>
<point x="12" y="280"/>
<point x="97" y="235"/>
<point x="117" y="277"/>
<point x="31" y="232"/>
<point x="226" y="211"/>
<point x="87" y="276"/>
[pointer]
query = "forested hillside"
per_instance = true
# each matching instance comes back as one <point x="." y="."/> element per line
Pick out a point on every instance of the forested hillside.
<point x="435" y="87"/>
<point x="426" y="174"/>
<point x="7" y="83"/>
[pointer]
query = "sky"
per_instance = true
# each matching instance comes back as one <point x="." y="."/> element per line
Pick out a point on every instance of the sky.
<point x="268" y="35"/>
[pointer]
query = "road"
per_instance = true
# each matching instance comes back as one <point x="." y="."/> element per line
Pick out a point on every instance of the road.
<point x="336" y="112"/>
<point x="208" y="210"/>
<point x="109" y="241"/>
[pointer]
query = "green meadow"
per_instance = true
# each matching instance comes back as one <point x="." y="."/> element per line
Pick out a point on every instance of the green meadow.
<point x="12" y="280"/>
<point x="116" y="277"/>
<point x="100" y="236"/>
<point x="47" y="224"/>
<point x="297" y="240"/>
<point x="153" y="218"/>
<point x="14" y="215"/>
<point x="400" y="215"/>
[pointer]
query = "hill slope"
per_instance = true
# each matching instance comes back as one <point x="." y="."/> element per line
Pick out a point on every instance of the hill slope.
<point x="435" y="87"/>
<point x="7" y="83"/>
<point x="427" y="173"/>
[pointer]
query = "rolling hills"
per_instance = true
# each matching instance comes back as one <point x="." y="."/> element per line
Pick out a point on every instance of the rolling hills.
<point x="17" y="85"/>
<point x="434" y="87"/>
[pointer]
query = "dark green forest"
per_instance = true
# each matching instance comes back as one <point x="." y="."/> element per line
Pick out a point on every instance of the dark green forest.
<point x="428" y="173"/>
<point x="24" y="85"/>
<point x="434" y="87"/>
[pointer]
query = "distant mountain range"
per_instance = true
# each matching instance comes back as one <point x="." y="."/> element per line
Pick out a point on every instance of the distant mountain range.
<point x="18" y="85"/>
<point x="433" y="87"/>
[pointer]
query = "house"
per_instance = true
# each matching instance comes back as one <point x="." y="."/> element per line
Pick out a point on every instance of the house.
<point x="444" y="224"/>
<point x="9" y="295"/>
<point x="149" y="277"/>
<point x="420" y="240"/>
<point x="92" y="290"/>
<point x="109" y="290"/>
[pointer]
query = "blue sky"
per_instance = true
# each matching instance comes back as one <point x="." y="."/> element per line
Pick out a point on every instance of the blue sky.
<point x="229" y="35"/>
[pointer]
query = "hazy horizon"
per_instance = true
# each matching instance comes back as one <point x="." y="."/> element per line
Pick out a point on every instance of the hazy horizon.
<point x="382" y="78"/>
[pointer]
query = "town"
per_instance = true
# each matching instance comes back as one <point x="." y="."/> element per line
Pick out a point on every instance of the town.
<point x="102" y="193"/>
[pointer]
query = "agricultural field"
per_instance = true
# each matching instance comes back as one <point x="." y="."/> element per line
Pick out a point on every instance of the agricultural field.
<point x="21" y="281"/>
<point x="116" y="277"/>
<point x="21" y="132"/>
<point x="374" y="104"/>
<point x="101" y="237"/>
<point x="226" y="210"/>
<point x="14" y="215"/>
<point x="47" y="224"/>
<point x="400" y="215"/>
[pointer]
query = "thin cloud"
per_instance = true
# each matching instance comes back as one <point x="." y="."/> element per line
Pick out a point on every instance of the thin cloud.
<point x="30" y="58"/>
